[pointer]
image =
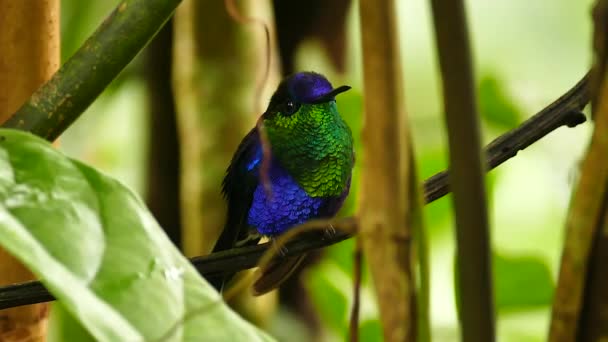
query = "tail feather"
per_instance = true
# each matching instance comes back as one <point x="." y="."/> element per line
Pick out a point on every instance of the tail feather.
<point x="275" y="273"/>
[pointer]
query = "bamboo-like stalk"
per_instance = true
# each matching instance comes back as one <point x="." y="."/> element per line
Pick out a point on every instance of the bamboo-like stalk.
<point x="600" y="48"/>
<point x="586" y="213"/>
<point x="61" y="100"/>
<point x="386" y="218"/>
<point x="466" y="172"/>
<point x="580" y="307"/>
<point x="29" y="41"/>
<point x="593" y="323"/>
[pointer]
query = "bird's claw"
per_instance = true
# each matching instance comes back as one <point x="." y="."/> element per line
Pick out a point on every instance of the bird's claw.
<point x="329" y="232"/>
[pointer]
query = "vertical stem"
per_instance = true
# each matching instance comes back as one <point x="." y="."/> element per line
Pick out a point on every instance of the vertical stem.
<point x="163" y="152"/>
<point x="385" y="219"/>
<point x="422" y="253"/>
<point x="584" y="217"/>
<point x="593" y="322"/>
<point x="354" y="314"/>
<point x="580" y="305"/>
<point x="466" y="172"/>
<point x="29" y="41"/>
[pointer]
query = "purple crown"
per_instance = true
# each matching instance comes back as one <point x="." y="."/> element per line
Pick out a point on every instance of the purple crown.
<point x="308" y="86"/>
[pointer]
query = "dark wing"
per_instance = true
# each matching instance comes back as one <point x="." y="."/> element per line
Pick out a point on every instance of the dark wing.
<point x="239" y="184"/>
<point x="238" y="187"/>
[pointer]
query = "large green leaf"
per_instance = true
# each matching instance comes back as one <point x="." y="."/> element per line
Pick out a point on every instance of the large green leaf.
<point x="101" y="253"/>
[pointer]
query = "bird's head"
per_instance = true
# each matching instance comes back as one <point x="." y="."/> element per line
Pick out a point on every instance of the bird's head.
<point x="301" y="100"/>
<point x="306" y="132"/>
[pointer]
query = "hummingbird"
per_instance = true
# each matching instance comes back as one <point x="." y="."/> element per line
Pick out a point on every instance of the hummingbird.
<point x="307" y="174"/>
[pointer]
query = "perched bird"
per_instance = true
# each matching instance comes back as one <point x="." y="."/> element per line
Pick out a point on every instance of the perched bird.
<point x="307" y="174"/>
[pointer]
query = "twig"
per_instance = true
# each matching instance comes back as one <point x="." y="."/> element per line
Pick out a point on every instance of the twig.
<point x="257" y="106"/>
<point x="565" y="111"/>
<point x="276" y="251"/>
<point x="473" y="246"/>
<point x="234" y="13"/>
<point x="61" y="100"/>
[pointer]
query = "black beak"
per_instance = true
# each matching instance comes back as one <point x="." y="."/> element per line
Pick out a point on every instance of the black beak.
<point x="331" y="95"/>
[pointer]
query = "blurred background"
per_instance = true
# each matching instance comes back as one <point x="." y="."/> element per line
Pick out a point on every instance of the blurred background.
<point x="173" y="118"/>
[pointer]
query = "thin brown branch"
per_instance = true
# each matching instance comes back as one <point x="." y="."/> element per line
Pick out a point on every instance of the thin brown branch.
<point x="565" y="111"/>
<point x="474" y="276"/>
<point x="276" y="251"/>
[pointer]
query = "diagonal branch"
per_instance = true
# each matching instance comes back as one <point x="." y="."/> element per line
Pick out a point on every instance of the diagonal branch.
<point x="564" y="111"/>
<point x="61" y="100"/>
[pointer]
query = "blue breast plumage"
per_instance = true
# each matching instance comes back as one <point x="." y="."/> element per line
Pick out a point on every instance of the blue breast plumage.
<point x="287" y="204"/>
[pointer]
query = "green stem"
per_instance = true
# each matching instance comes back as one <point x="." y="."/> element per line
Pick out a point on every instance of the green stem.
<point x="61" y="100"/>
<point x="422" y="252"/>
<point x="466" y="172"/>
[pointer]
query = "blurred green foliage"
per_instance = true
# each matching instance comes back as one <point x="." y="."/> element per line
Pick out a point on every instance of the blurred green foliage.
<point x="521" y="282"/>
<point x="495" y="106"/>
<point x="526" y="54"/>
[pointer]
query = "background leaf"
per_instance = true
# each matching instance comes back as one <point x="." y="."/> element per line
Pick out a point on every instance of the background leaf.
<point x="495" y="105"/>
<point x="521" y="282"/>
<point x="95" y="246"/>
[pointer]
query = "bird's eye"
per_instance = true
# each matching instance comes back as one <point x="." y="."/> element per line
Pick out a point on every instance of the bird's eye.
<point x="291" y="107"/>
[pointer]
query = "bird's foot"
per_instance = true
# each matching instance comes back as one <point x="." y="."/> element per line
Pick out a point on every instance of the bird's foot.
<point x="329" y="232"/>
<point x="252" y="237"/>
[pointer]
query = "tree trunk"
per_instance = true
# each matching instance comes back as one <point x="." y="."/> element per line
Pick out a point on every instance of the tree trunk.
<point x="30" y="42"/>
